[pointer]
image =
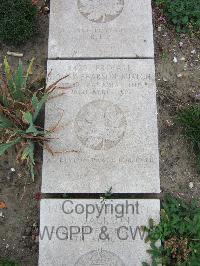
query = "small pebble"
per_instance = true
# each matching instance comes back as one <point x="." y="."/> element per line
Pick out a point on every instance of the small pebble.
<point x="180" y="44"/>
<point x="159" y="28"/>
<point x="15" y="54"/>
<point x="175" y="60"/>
<point x="179" y="75"/>
<point x="193" y="52"/>
<point x="169" y="123"/>
<point x="182" y="59"/>
<point x="191" y="185"/>
<point x="12" y="169"/>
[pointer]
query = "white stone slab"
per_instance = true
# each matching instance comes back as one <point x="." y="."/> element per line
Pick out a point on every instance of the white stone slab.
<point x="107" y="136"/>
<point x="93" y="28"/>
<point x="95" y="233"/>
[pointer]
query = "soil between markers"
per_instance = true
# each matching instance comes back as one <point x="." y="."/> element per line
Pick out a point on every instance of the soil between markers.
<point x="178" y="85"/>
<point x="19" y="224"/>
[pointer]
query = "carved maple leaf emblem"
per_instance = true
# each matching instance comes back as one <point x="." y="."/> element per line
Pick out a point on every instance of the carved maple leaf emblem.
<point x="100" y="125"/>
<point x="101" y="10"/>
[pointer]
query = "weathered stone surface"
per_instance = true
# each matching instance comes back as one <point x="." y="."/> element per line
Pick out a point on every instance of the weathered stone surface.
<point x="93" y="232"/>
<point x="107" y="134"/>
<point x="114" y="28"/>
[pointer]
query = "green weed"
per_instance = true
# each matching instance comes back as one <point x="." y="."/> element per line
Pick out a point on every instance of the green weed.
<point x="20" y="107"/>
<point x="190" y="120"/>
<point x="179" y="233"/>
<point x="8" y="263"/>
<point x="107" y="195"/>
<point x="184" y="14"/>
<point x="18" y="21"/>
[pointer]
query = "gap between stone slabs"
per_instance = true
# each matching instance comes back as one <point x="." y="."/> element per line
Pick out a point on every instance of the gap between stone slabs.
<point x="97" y="58"/>
<point x="106" y="195"/>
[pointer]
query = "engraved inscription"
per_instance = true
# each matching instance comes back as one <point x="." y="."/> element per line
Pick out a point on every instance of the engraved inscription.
<point x="100" y="125"/>
<point x="102" y="258"/>
<point x="100" y="11"/>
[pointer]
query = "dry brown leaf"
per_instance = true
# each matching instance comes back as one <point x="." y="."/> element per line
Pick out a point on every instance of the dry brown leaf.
<point x="2" y="205"/>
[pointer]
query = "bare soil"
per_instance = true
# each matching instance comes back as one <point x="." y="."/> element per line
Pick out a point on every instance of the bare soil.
<point x="178" y="84"/>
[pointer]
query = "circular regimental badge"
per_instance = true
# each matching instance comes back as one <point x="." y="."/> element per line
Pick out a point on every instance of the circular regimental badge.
<point x="100" y="11"/>
<point x="101" y="258"/>
<point x="100" y="125"/>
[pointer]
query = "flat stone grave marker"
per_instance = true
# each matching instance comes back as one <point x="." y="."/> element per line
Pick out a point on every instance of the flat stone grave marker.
<point x="93" y="232"/>
<point x="105" y="128"/>
<point x="100" y="28"/>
